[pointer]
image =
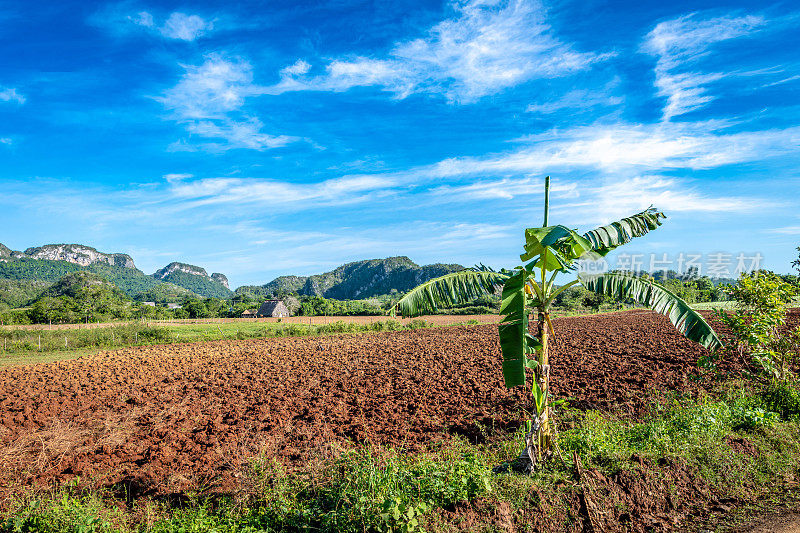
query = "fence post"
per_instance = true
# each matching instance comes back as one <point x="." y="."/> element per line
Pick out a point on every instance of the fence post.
<point x="40" y="342"/>
<point x="65" y="342"/>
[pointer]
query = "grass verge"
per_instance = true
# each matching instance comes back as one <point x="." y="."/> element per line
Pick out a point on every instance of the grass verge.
<point x="30" y="347"/>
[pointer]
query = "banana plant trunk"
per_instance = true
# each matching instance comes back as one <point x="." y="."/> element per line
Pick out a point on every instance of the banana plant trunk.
<point x="539" y="437"/>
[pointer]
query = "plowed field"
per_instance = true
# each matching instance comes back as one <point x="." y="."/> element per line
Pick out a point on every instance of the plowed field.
<point x="171" y="417"/>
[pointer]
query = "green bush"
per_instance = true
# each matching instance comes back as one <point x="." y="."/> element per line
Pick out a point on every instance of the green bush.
<point x="783" y="398"/>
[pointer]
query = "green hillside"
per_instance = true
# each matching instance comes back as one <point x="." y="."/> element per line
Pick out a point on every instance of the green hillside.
<point x="25" y="277"/>
<point x="280" y="285"/>
<point x="357" y="280"/>
<point x="166" y="293"/>
<point x="130" y="280"/>
<point x="80" y="296"/>
<point x="204" y="286"/>
<point x="18" y="292"/>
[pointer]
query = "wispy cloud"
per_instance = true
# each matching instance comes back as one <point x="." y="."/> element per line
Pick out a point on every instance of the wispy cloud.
<point x="679" y="44"/>
<point x="6" y="140"/>
<point x="276" y="195"/>
<point x="787" y="230"/>
<point x="499" y="189"/>
<point x="484" y="48"/>
<point x="10" y="94"/>
<point x="620" y="147"/>
<point x="125" y="18"/>
<point x="583" y="99"/>
<point x="208" y="101"/>
<point x="185" y="27"/>
<point x="619" y="198"/>
<point x="782" y="81"/>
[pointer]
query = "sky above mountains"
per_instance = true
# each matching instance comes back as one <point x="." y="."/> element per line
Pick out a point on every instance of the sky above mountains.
<point x="266" y="138"/>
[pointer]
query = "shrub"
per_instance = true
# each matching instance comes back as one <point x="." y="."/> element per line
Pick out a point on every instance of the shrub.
<point x="758" y="323"/>
<point x="784" y="399"/>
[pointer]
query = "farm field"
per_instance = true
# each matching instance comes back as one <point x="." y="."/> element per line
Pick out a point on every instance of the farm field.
<point x="150" y="412"/>
<point x="166" y="421"/>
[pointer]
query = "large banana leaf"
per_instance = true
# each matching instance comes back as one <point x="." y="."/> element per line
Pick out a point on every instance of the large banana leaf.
<point x="555" y="246"/>
<point x="606" y="238"/>
<point x="658" y="298"/>
<point x="448" y="290"/>
<point x="515" y="341"/>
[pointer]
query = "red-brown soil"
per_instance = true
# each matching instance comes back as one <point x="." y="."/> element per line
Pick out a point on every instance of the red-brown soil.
<point x="177" y="416"/>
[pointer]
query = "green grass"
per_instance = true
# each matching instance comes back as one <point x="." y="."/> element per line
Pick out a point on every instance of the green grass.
<point x="33" y="358"/>
<point x="707" y="306"/>
<point x="728" y="305"/>
<point x="367" y="488"/>
<point x="21" y="346"/>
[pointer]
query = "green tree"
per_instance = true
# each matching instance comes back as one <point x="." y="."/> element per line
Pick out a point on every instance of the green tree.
<point x="549" y="251"/>
<point x="758" y="324"/>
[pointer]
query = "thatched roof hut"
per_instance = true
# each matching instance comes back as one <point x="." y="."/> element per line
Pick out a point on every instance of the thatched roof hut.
<point x="275" y="308"/>
<point x="249" y="313"/>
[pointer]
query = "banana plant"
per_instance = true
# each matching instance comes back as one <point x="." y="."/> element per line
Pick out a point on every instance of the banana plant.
<point x="531" y="289"/>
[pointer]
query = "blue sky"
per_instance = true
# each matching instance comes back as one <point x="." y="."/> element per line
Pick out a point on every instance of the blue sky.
<point x="259" y="139"/>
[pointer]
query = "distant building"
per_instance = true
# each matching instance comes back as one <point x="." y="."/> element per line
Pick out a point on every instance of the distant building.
<point x="274" y="308"/>
<point x="174" y="306"/>
<point x="151" y="304"/>
<point x="249" y="313"/>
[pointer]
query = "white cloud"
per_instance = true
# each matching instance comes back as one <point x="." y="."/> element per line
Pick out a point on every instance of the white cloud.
<point x="298" y="68"/>
<point x="681" y="42"/>
<point x="10" y="94"/>
<point x="500" y="189"/>
<point x="143" y="18"/>
<point x="211" y="90"/>
<point x="618" y="198"/>
<point x="171" y="178"/>
<point x="7" y="141"/>
<point x="124" y="18"/>
<point x="781" y="82"/>
<point x="488" y="46"/>
<point x="185" y="27"/>
<point x="580" y="99"/>
<point x="624" y="147"/>
<point x="238" y="134"/>
<point x="787" y="230"/>
<point x="274" y="194"/>
<point x="208" y="101"/>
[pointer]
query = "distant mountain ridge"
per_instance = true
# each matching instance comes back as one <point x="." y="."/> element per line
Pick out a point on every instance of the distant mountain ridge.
<point x="23" y="273"/>
<point x="78" y="254"/>
<point x="356" y="280"/>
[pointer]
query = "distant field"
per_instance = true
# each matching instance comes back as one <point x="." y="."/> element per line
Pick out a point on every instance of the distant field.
<point x="707" y="306"/>
<point x="438" y="320"/>
<point x="44" y="343"/>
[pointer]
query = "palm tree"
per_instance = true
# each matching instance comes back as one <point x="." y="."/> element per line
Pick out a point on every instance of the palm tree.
<point x="549" y="251"/>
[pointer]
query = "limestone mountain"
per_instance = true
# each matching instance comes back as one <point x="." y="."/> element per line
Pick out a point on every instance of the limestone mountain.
<point x="196" y="279"/>
<point x="78" y="254"/>
<point x="356" y="280"/>
<point x="24" y="275"/>
<point x="222" y="279"/>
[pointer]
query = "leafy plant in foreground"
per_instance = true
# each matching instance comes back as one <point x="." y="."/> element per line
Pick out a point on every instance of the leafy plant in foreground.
<point x="758" y="324"/>
<point x="549" y="251"/>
